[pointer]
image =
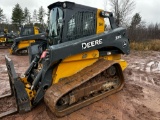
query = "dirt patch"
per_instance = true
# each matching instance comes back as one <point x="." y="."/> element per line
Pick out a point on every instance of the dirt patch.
<point x="139" y="99"/>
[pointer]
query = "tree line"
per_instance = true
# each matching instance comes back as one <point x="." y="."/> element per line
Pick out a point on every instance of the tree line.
<point x="22" y="17"/>
<point x="137" y="28"/>
<point x="139" y="31"/>
<point x="122" y="9"/>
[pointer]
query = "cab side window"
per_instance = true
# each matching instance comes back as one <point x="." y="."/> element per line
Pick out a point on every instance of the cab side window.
<point x="80" y="25"/>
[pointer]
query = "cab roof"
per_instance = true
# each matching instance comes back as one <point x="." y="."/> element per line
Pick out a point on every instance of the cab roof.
<point x="67" y="4"/>
<point x="60" y="4"/>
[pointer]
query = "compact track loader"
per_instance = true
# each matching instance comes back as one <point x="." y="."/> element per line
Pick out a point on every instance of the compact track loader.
<point x="28" y="35"/>
<point x="78" y="64"/>
<point x="5" y="38"/>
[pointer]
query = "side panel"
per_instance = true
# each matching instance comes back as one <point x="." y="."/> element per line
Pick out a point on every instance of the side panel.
<point x="25" y="44"/>
<point x="2" y="39"/>
<point x="74" y="64"/>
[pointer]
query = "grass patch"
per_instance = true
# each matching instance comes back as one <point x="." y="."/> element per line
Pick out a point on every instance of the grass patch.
<point x="146" y="45"/>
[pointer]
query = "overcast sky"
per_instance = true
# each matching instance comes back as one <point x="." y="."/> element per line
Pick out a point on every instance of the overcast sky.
<point x="148" y="9"/>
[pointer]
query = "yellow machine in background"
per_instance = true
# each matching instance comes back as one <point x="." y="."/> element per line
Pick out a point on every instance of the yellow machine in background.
<point x="3" y="36"/>
<point x="24" y="40"/>
<point x="28" y="30"/>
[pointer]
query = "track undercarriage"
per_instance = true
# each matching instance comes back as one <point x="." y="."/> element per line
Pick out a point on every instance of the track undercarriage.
<point x="21" y="52"/>
<point x="85" y="87"/>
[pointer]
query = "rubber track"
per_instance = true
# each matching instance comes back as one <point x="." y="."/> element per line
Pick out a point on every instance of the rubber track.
<point x="18" y="52"/>
<point x="56" y="91"/>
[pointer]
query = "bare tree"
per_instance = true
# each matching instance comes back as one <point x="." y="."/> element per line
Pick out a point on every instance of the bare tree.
<point x="122" y="9"/>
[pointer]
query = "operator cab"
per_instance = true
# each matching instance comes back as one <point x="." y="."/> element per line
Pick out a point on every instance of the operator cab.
<point x="69" y="21"/>
<point x="25" y="31"/>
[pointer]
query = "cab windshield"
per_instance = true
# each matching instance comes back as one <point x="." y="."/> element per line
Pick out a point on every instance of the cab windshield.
<point x="55" y="24"/>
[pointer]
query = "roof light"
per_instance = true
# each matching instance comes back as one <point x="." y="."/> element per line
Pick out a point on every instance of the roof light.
<point x="64" y="5"/>
<point x="106" y="14"/>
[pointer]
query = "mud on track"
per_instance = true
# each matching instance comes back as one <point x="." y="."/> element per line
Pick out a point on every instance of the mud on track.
<point x="139" y="99"/>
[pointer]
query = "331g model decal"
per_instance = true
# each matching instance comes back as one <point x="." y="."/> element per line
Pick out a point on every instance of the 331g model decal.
<point x="118" y="37"/>
<point x="91" y="44"/>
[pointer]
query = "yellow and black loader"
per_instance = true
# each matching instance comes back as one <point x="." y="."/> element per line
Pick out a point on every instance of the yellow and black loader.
<point x="78" y="64"/>
<point x="28" y="35"/>
<point x="6" y="39"/>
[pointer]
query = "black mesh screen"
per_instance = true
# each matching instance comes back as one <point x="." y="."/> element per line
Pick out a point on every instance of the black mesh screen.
<point x="80" y="25"/>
